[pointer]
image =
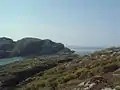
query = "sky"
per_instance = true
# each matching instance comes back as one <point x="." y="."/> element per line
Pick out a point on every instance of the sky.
<point x="72" y="22"/>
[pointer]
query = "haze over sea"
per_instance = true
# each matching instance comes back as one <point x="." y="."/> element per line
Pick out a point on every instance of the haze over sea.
<point x="85" y="50"/>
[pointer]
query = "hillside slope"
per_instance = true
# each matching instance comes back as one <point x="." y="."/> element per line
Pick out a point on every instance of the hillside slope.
<point x="97" y="71"/>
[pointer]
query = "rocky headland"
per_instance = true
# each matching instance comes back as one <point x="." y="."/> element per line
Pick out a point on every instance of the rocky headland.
<point x="30" y="47"/>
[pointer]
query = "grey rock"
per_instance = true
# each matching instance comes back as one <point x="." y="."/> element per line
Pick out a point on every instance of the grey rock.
<point x="30" y="47"/>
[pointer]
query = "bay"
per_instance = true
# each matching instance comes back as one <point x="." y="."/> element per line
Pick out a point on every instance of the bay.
<point x="9" y="60"/>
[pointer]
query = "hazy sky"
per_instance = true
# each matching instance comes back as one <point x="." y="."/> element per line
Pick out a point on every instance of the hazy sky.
<point x="72" y="22"/>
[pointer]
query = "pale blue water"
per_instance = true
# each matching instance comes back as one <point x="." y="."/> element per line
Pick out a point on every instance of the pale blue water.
<point x="9" y="60"/>
<point x="85" y="51"/>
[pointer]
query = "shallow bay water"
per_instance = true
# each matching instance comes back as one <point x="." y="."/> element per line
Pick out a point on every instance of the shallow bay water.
<point x="9" y="60"/>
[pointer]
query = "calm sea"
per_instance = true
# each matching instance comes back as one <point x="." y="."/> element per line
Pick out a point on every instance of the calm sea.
<point x="9" y="60"/>
<point x="86" y="51"/>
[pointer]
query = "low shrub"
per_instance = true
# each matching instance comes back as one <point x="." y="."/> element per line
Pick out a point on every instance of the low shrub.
<point x="69" y="77"/>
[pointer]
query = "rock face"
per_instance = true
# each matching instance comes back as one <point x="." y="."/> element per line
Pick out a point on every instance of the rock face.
<point x="49" y="47"/>
<point x="29" y="46"/>
<point x="6" y="46"/>
<point x="26" y="46"/>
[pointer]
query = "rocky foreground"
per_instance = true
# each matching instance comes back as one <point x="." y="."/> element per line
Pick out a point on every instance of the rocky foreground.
<point x="14" y="75"/>
<point x="97" y="71"/>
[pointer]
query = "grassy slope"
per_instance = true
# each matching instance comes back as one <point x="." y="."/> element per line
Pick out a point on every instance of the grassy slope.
<point x="68" y="74"/>
<point x="22" y="70"/>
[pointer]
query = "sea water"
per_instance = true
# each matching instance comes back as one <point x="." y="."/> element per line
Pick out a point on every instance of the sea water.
<point x="9" y="60"/>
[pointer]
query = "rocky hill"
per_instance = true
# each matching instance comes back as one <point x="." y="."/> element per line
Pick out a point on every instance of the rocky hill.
<point x="29" y="46"/>
<point x="6" y="46"/>
<point x="97" y="71"/>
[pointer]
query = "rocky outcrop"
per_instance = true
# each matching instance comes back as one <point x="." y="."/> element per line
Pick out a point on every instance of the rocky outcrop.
<point x="49" y="47"/>
<point x="30" y="46"/>
<point x="6" y="46"/>
<point x="26" y="46"/>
